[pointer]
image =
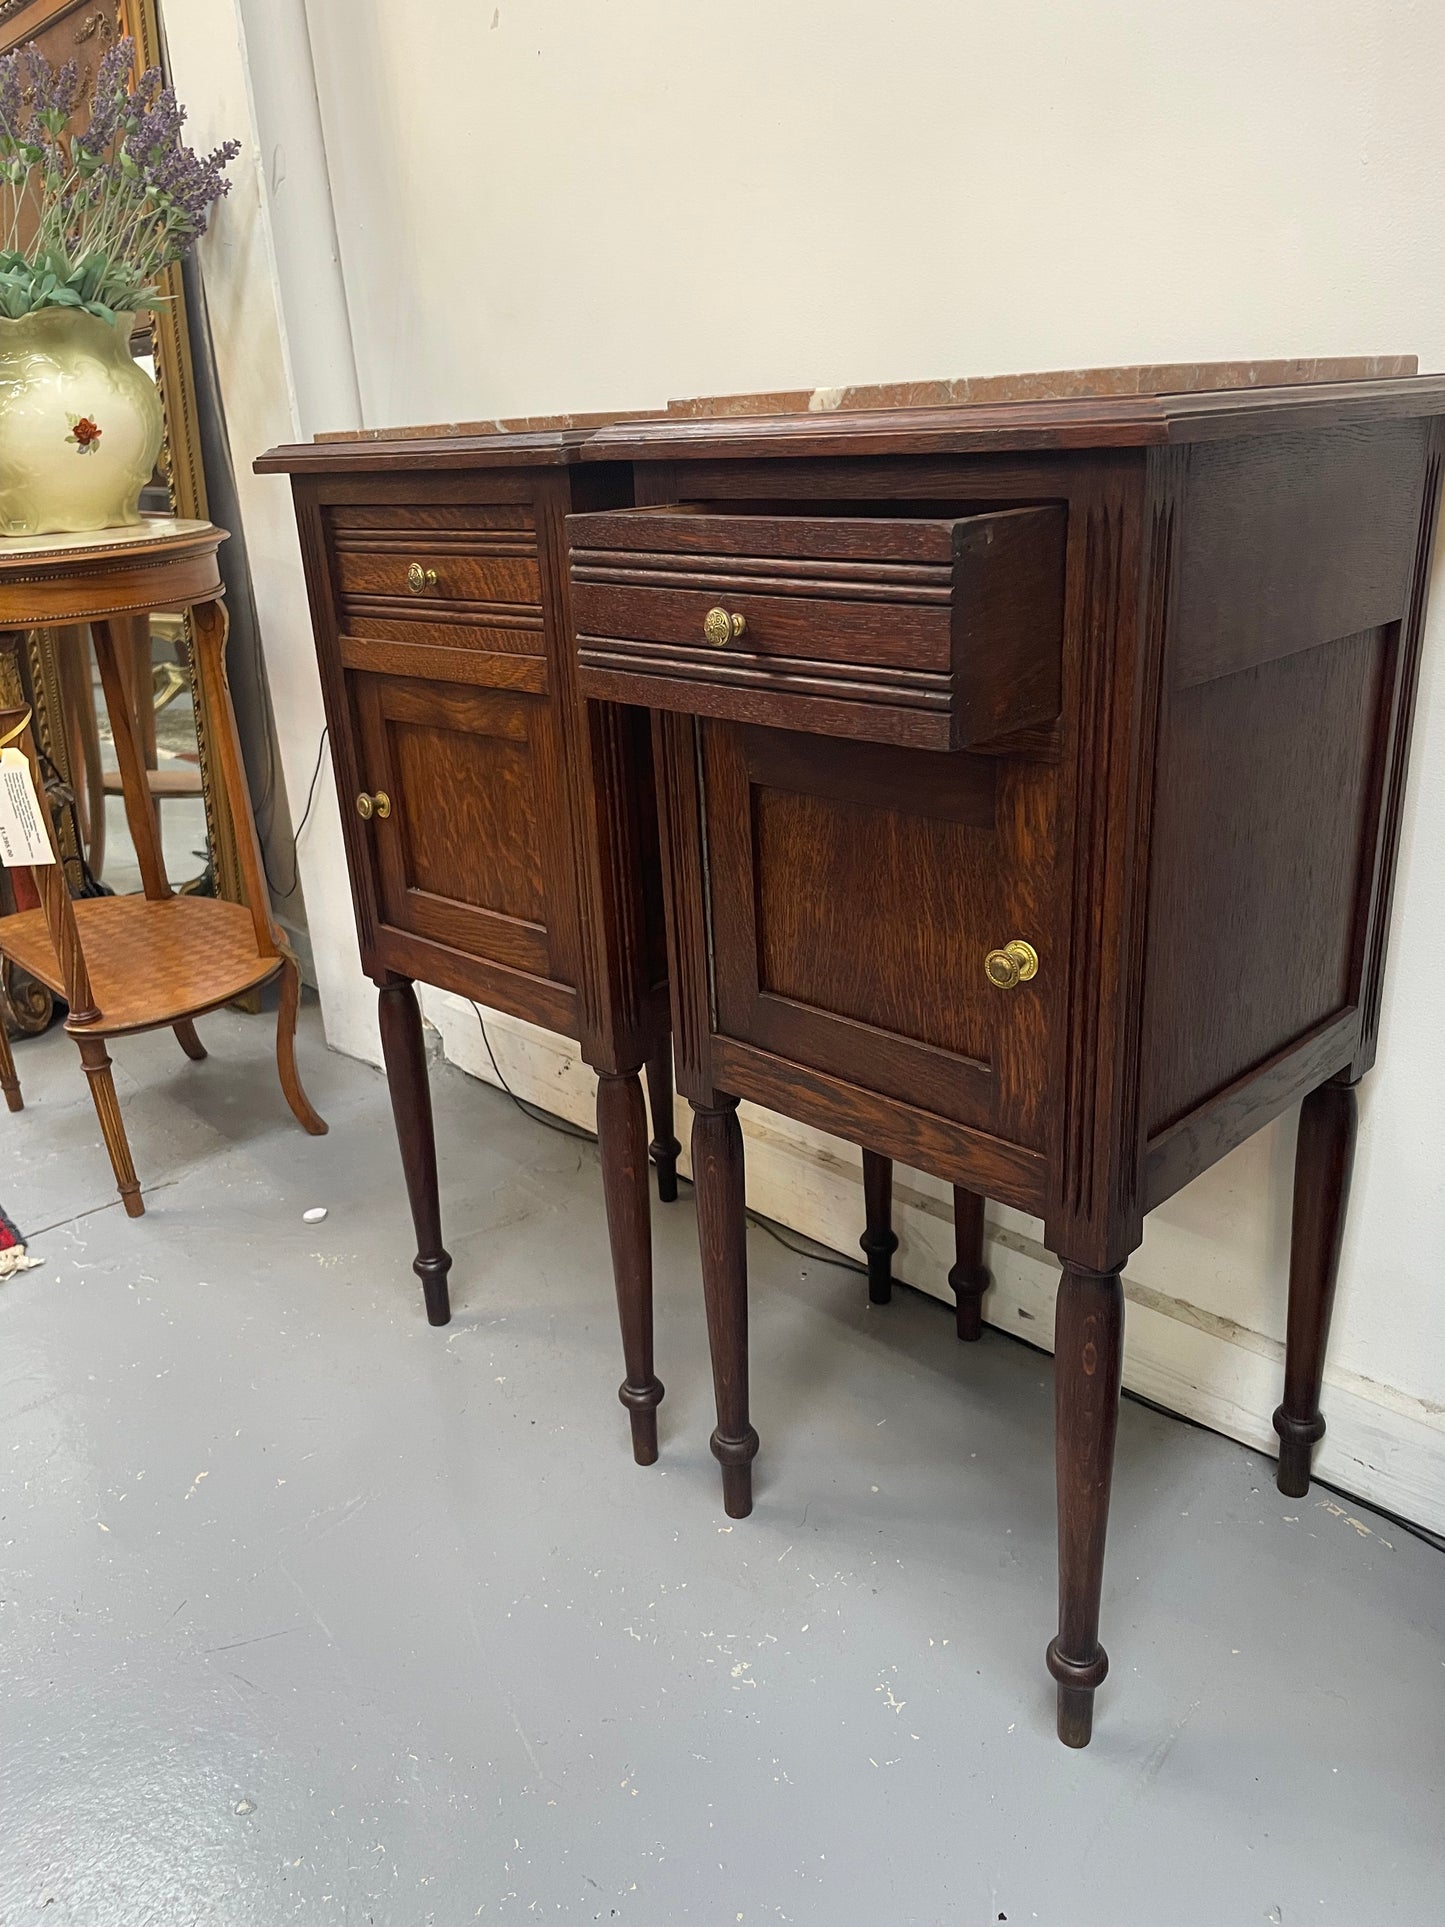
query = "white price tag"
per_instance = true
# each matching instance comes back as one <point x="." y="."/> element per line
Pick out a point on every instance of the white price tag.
<point x="23" y="836"/>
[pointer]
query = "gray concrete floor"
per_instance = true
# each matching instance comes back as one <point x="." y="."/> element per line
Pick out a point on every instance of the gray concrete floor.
<point x="312" y="1613"/>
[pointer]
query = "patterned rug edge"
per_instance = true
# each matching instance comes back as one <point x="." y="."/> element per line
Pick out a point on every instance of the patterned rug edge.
<point x="13" y="1255"/>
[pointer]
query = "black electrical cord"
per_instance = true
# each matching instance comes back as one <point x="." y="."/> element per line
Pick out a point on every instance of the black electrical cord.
<point x="557" y="1124"/>
<point x="305" y="817"/>
<point x="818" y="1255"/>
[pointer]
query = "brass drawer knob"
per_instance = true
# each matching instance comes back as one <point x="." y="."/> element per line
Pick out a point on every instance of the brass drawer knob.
<point x="1015" y="964"/>
<point x="719" y="628"/>
<point x="419" y="580"/>
<point x="369" y="806"/>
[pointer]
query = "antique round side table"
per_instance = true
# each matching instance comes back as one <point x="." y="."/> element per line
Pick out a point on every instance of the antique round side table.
<point x="134" y="963"/>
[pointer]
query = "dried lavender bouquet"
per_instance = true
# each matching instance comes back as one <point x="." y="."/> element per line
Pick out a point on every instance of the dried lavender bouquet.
<point x="91" y="219"/>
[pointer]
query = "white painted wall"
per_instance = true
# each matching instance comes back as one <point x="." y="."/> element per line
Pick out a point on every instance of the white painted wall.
<point x="283" y="348"/>
<point x="542" y="205"/>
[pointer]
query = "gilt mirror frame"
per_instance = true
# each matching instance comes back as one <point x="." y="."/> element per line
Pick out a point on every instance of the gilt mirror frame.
<point x="82" y="30"/>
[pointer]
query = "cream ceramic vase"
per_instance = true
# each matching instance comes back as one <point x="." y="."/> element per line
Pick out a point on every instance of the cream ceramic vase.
<point x="80" y="424"/>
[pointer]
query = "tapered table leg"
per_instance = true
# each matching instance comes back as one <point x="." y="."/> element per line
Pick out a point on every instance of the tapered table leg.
<point x="406" y="1076"/>
<point x="1323" y="1159"/>
<point x="1088" y="1353"/>
<point x="879" y="1240"/>
<point x="622" y="1144"/>
<point x="287" y="1006"/>
<point x="717" y="1175"/>
<point x="95" y="1060"/>
<point x="189" y="1041"/>
<point x="970" y="1278"/>
<point x="664" y="1147"/>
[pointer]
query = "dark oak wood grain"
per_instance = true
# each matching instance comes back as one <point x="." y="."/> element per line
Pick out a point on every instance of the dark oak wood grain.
<point x="516" y="847"/>
<point x="937" y="633"/>
<point x="1192" y="852"/>
<point x="516" y="861"/>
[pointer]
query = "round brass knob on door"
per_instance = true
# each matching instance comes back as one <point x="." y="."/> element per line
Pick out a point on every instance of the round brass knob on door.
<point x="718" y="627"/>
<point x="369" y="806"/>
<point x="1015" y="964"/>
<point x="419" y="580"/>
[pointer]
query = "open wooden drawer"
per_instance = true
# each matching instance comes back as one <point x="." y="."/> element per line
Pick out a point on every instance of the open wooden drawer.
<point x="932" y="632"/>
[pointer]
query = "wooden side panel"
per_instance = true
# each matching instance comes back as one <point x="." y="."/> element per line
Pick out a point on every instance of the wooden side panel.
<point x="1282" y="672"/>
<point x="1293" y="541"/>
<point x="1268" y="782"/>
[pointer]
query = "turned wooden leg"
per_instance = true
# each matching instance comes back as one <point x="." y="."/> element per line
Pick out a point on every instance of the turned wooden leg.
<point x="664" y="1146"/>
<point x="717" y="1175"/>
<point x="96" y="1062"/>
<point x="1088" y="1351"/>
<point x="622" y="1143"/>
<point x="301" y="1107"/>
<point x="970" y="1277"/>
<point x="405" y="1057"/>
<point x="879" y="1240"/>
<point x="9" y="1082"/>
<point x="1323" y="1159"/>
<point x="189" y="1042"/>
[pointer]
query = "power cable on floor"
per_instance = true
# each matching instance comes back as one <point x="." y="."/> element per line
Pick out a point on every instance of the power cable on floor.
<point x="557" y="1124"/>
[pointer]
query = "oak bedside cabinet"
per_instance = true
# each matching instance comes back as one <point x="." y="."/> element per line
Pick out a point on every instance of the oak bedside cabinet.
<point x="501" y="839"/>
<point x="1030" y="778"/>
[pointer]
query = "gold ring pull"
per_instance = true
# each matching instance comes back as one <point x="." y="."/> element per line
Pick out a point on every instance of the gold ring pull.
<point x="1015" y="964"/>
<point x="369" y="806"/>
<point x="720" y="628"/>
<point x="419" y="580"/>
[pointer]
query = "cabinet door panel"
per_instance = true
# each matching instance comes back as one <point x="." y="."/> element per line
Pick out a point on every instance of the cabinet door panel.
<point x="850" y="931"/>
<point x="469" y="856"/>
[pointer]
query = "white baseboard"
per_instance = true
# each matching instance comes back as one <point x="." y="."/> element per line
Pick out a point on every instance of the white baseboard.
<point x="1382" y="1445"/>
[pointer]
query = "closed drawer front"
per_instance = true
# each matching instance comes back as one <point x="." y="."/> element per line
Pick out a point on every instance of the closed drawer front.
<point x="931" y="632"/>
<point x="463" y="580"/>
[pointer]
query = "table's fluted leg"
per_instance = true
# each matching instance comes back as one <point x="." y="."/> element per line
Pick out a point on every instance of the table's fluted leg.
<point x="1088" y="1353"/>
<point x="664" y="1147"/>
<point x="970" y="1278"/>
<point x="717" y="1174"/>
<point x="1324" y="1157"/>
<point x="140" y="809"/>
<point x="622" y="1145"/>
<point x="879" y="1240"/>
<point x="95" y="1059"/>
<point x="404" y="1053"/>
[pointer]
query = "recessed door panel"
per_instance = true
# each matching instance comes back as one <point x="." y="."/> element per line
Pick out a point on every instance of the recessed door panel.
<point x="464" y="856"/>
<point x="850" y="932"/>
